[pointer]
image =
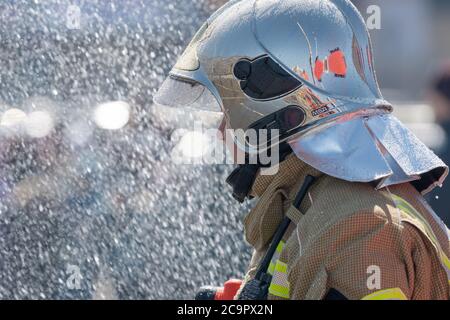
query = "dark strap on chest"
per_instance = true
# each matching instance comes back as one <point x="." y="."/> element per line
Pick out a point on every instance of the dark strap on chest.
<point x="257" y="288"/>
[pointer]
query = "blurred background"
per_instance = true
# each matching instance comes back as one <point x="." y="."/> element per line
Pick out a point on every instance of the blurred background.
<point x="91" y="205"/>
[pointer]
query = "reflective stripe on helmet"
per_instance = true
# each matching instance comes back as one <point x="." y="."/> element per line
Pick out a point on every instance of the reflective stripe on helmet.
<point x="387" y="294"/>
<point x="409" y="209"/>
<point x="280" y="286"/>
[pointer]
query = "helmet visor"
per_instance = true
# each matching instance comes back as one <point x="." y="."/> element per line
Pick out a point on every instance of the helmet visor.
<point x="183" y="93"/>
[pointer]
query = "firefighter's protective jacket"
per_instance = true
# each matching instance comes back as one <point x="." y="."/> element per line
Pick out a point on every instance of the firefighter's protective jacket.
<point x="348" y="240"/>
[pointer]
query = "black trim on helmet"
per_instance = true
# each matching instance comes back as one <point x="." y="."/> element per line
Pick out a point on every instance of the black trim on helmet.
<point x="264" y="79"/>
<point x="284" y="120"/>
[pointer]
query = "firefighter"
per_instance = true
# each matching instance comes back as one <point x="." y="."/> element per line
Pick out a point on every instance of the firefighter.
<point x="343" y="215"/>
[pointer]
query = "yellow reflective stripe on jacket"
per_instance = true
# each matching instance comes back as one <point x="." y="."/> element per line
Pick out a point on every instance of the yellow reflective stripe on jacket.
<point x="275" y="258"/>
<point x="280" y="286"/>
<point x="279" y="291"/>
<point x="406" y="207"/>
<point x="387" y="294"/>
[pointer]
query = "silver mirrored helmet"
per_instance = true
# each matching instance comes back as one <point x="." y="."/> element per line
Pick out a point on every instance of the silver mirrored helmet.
<point x="304" y="67"/>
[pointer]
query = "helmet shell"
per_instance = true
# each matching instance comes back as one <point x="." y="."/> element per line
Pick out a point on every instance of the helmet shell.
<point x="314" y="55"/>
<point x="323" y="44"/>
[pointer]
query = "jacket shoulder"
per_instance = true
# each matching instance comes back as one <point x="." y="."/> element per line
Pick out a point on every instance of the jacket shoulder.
<point x="338" y="199"/>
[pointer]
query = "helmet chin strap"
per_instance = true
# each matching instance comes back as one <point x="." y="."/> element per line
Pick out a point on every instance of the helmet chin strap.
<point x="243" y="177"/>
<point x="241" y="180"/>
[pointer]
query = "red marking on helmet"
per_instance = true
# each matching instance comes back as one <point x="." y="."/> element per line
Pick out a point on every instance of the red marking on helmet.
<point x="369" y="58"/>
<point x="302" y="73"/>
<point x="337" y="64"/>
<point x="319" y="69"/>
